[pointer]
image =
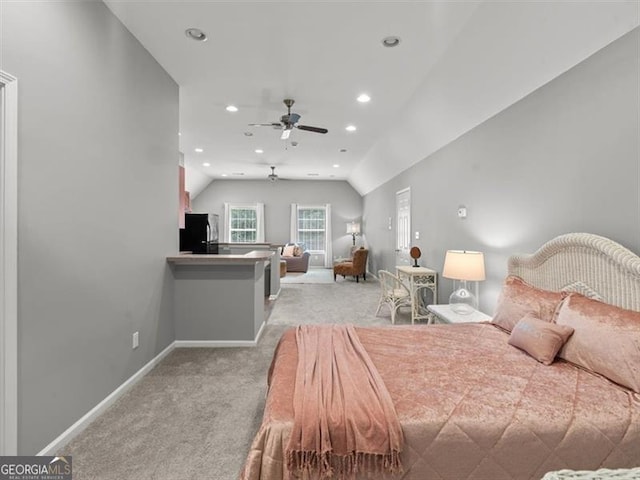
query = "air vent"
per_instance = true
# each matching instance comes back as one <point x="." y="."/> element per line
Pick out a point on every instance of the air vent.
<point x="237" y="174"/>
<point x="313" y="174"/>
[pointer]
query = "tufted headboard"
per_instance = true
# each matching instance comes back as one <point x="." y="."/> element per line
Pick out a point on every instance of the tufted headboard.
<point x="585" y="263"/>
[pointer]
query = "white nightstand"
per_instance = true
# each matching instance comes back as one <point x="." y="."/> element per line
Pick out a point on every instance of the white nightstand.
<point x="444" y="314"/>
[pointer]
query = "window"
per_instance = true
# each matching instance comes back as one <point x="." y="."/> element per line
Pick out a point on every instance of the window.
<point x="243" y="226"/>
<point x="244" y="223"/>
<point x="312" y="228"/>
<point x="311" y="225"/>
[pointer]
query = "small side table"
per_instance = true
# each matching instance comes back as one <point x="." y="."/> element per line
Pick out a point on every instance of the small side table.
<point x="444" y="314"/>
<point x="419" y="277"/>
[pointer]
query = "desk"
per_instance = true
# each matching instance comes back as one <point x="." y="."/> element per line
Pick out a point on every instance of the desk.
<point x="417" y="278"/>
<point x="446" y="315"/>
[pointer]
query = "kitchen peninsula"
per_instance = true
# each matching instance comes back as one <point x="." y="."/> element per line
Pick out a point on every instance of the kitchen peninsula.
<point x="219" y="300"/>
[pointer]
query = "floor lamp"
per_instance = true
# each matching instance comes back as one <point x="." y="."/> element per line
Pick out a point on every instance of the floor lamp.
<point x="353" y="229"/>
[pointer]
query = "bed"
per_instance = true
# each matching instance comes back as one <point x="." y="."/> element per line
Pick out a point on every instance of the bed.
<point x="472" y="406"/>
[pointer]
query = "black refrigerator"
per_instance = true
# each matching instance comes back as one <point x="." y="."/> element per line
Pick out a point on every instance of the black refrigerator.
<point x="200" y="233"/>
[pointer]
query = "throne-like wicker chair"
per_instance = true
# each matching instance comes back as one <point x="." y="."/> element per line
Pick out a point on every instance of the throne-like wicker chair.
<point x="394" y="293"/>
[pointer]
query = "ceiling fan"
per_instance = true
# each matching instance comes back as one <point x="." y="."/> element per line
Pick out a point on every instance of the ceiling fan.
<point x="288" y="122"/>
<point x="272" y="176"/>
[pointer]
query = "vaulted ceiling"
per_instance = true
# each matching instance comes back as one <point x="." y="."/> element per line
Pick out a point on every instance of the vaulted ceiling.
<point x="457" y="64"/>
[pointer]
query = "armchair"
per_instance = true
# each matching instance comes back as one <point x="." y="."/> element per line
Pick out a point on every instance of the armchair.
<point x="356" y="266"/>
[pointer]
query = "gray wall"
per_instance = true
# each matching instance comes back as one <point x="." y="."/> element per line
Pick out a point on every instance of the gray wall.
<point x="346" y="204"/>
<point x="563" y="159"/>
<point x="98" y="190"/>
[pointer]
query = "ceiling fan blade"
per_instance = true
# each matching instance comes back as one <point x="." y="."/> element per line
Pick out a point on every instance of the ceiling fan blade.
<point x="312" y="129"/>
<point x="274" y="125"/>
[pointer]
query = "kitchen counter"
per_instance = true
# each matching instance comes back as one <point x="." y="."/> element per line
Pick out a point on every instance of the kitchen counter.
<point x="219" y="300"/>
<point x="249" y="257"/>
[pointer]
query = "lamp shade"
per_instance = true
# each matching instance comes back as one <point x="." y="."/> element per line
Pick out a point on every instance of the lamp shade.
<point x="464" y="265"/>
<point x="353" y="228"/>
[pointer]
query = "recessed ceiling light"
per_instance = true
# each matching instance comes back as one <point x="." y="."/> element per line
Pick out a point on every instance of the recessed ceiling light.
<point x="179" y="134"/>
<point x="224" y="174"/>
<point x="391" y="41"/>
<point x="343" y="150"/>
<point x="206" y="164"/>
<point x="198" y="150"/>
<point x="335" y="165"/>
<point x="196" y="34"/>
<point x="248" y="134"/>
<point x="350" y="128"/>
<point x="363" y="98"/>
<point x="231" y="108"/>
<point x="259" y="150"/>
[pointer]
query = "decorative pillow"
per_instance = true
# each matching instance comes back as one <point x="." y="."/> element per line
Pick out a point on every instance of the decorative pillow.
<point x="518" y="299"/>
<point x="288" y="250"/>
<point x="297" y="250"/>
<point x="538" y="338"/>
<point x="606" y="339"/>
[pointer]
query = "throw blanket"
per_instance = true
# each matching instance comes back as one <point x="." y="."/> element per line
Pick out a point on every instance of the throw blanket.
<point x="344" y="419"/>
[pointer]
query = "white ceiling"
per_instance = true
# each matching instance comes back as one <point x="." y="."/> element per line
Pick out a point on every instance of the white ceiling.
<point x="458" y="64"/>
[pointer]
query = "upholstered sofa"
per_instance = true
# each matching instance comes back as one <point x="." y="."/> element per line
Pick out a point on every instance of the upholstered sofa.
<point x="296" y="263"/>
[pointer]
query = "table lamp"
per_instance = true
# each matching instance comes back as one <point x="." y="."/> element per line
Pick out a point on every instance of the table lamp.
<point x="465" y="266"/>
<point x="353" y="228"/>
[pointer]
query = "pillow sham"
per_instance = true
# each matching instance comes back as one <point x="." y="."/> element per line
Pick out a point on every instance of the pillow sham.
<point x="541" y="340"/>
<point x="287" y="251"/>
<point x="606" y="339"/>
<point x="297" y="250"/>
<point x="518" y="299"/>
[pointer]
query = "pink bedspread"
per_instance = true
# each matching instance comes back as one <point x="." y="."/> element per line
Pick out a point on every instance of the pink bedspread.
<point x="471" y="407"/>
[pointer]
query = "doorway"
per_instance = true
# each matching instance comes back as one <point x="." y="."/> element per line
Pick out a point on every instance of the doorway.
<point x="403" y="226"/>
<point x="8" y="264"/>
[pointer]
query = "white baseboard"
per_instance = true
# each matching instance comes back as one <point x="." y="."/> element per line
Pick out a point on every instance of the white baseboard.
<point x="219" y="343"/>
<point x="275" y="296"/>
<point x="214" y="343"/>
<point x="92" y="414"/>
<point x="260" y="332"/>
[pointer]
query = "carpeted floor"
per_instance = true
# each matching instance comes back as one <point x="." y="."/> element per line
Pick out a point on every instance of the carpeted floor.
<point x="194" y="415"/>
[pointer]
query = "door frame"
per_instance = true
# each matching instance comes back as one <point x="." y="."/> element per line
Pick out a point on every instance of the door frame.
<point x="399" y="251"/>
<point x="8" y="264"/>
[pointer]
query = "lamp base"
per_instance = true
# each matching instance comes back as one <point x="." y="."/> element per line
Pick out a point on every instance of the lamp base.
<point x="462" y="301"/>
